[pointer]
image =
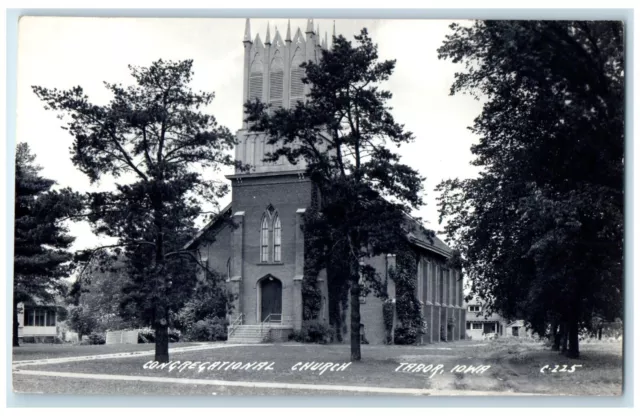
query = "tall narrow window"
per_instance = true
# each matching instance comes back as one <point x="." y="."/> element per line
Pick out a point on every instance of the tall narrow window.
<point x="40" y="317"/>
<point x="276" y="82"/>
<point x="51" y="318"/>
<point x="255" y="80"/>
<point x="29" y="317"/>
<point x="296" y="88"/>
<point x="419" y="280"/>
<point x="264" y="240"/>
<point x="277" y="240"/>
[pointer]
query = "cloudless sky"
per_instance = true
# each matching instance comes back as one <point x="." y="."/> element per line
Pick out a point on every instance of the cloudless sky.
<point x="62" y="52"/>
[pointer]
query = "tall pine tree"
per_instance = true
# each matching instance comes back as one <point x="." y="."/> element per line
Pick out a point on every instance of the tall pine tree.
<point x="344" y="131"/>
<point x="154" y="139"/>
<point x="41" y="256"/>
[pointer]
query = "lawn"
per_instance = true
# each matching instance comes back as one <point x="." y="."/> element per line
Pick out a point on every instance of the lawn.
<point x="43" y="351"/>
<point x="509" y="366"/>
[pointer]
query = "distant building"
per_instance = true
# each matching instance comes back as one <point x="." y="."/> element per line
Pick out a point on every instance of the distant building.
<point x="480" y="326"/>
<point x="37" y="323"/>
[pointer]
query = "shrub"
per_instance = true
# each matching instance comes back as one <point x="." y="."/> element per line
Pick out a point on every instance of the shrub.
<point x="213" y="329"/>
<point x="93" y="339"/>
<point x="405" y="335"/>
<point x="148" y="335"/>
<point x="313" y="331"/>
<point x="388" y="308"/>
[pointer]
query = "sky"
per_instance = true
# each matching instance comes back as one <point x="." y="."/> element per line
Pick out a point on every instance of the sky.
<point x="63" y="52"/>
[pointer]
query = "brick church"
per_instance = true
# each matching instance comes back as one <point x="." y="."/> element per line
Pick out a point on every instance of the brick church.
<point x="262" y="256"/>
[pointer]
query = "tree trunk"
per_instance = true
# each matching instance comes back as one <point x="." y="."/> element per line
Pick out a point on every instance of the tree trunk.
<point x="563" y="338"/>
<point x="599" y="334"/>
<point x="162" y="307"/>
<point x="355" y="321"/>
<point x="16" y="325"/>
<point x="162" y="343"/>
<point x="573" y="351"/>
<point x="556" y="337"/>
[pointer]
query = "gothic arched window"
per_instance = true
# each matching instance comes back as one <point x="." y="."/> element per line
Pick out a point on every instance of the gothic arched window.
<point x="270" y="237"/>
<point x="276" y="81"/>
<point x="277" y="240"/>
<point x="255" y="79"/>
<point x="264" y="240"/>
<point x="296" y="88"/>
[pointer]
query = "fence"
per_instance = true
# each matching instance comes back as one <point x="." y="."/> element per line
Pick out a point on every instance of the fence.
<point x="122" y="337"/>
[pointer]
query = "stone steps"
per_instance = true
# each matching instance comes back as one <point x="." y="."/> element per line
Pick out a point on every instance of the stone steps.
<point x="253" y="334"/>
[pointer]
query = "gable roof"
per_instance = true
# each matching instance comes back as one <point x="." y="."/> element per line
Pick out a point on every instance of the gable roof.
<point x="211" y="224"/>
<point x="420" y="237"/>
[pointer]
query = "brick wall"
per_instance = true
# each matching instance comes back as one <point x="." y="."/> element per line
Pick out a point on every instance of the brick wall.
<point x="287" y="194"/>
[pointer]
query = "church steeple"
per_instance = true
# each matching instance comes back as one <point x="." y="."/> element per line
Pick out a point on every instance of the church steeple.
<point x="267" y="41"/>
<point x="247" y="32"/>
<point x="309" y="26"/>
<point x="288" y="36"/>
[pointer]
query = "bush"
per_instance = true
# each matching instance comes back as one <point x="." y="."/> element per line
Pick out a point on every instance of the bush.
<point x="148" y="335"/>
<point x="214" y="329"/>
<point x="93" y="339"/>
<point x="313" y="331"/>
<point x="405" y="336"/>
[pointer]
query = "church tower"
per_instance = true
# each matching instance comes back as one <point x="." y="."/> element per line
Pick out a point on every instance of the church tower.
<point x="268" y="201"/>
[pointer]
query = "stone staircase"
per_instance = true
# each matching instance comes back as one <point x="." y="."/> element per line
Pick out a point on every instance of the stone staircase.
<point x="267" y="331"/>
<point x="248" y="334"/>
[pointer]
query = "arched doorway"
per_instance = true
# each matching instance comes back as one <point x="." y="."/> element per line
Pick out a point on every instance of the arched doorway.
<point x="270" y="299"/>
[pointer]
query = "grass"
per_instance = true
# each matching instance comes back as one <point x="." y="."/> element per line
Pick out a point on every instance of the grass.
<point x="43" y="351"/>
<point x="515" y="367"/>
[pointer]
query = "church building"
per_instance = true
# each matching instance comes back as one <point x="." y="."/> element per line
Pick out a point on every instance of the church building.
<point x="262" y="254"/>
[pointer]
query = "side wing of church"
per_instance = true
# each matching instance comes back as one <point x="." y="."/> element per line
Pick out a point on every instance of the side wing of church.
<point x="262" y="255"/>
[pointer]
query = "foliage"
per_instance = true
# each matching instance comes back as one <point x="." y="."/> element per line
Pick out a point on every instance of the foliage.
<point x="344" y="131"/>
<point x="405" y="335"/>
<point x="404" y="274"/>
<point x="208" y="302"/>
<point x="147" y="335"/>
<point x="540" y="230"/>
<point x="98" y="291"/>
<point x="313" y="262"/>
<point x="82" y="320"/>
<point x="94" y="339"/>
<point x="313" y="331"/>
<point x="388" y="309"/>
<point x="153" y="139"/>
<point x="41" y="242"/>
<point x="211" y="329"/>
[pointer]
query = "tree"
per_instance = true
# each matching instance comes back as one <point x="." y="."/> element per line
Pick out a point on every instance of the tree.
<point x="344" y="131"/>
<point x="97" y="294"/>
<point x="155" y="141"/>
<point x="41" y="256"/>
<point x="541" y="228"/>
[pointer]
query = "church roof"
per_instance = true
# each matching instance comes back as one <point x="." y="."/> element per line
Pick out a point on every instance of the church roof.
<point x="214" y="221"/>
<point x="421" y="237"/>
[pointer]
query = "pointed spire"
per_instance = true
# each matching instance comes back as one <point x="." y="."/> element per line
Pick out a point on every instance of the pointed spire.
<point x="318" y="41"/>
<point x="309" y="26"/>
<point x="267" y="41"/>
<point x="247" y="32"/>
<point x="333" y="36"/>
<point x="288" y="37"/>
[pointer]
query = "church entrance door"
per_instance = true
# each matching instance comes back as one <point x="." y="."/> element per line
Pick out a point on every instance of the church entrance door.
<point x="271" y="299"/>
